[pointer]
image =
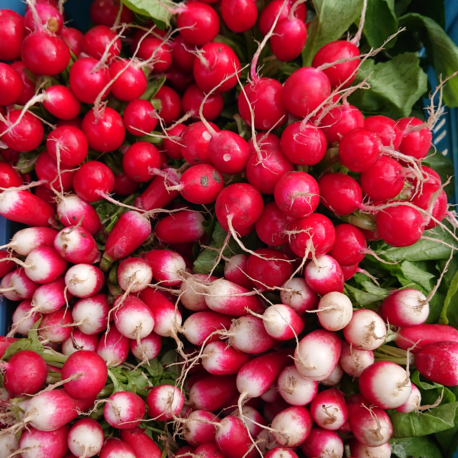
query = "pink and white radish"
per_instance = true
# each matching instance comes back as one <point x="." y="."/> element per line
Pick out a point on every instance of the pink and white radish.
<point x="413" y="402"/>
<point x="116" y="448"/>
<point x="148" y="347"/>
<point x="232" y="438"/>
<point x="124" y="410"/>
<point x="366" y="330"/>
<point x="50" y="297"/>
<point x="37" y="444"/>
<point x="44" y="265"/>
<point x="329" y="410"/>
<point x="322" y="443"/>
<point x="354" y="360"/>
<point x="17" y="285"/>
<point x="84" y="280"/>
<point x="26" y="240"/>
<point x="79" y="341"/>
<point x="56" y="327"/>
<point x="191" y="292"/>
<point x="72" y="209"/>
<point x="168" y="266"/>
<point x="235" y="270"/>
<point x="298" y="295"/>
<point x="142" y="445"/>
<point x="24" y="317"/>
<point x="324" y="275"/>
<point x="164" y="402"/>
<point x="90" y="314"/>
<point x="335" y="376"/>
<point x="134" y="274"/>
<point x="133" y="318"/>
<point x="295" y="389"/>
<point x="198" y="428"/>
<point x="113" y="348"/>
<point x="405" y="307"/>
<point x="170" y="229"/>
<point x="272" y="394"/>
<point x="201" y="325"/>
<point x="76" y="245"/>
<point x="253" y="420"/>
<point x="282" y="322"/>
<point x="416" y="337"/>
<point x="85" y="438"/>
<point x="220" y="359"/>
<point x="359" y="450"/>
<point x="335" y="311"/>
<point x="292" y="426"/>
<point x="8" y="444"/>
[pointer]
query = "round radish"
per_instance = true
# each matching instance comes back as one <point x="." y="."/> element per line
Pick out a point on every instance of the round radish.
<point x="133" y="318"/>
<point x="295" y="389"/>
<point x="282" y="322"/>
<point x="299" y="296"/>
<point x="79" y="341"/>
<point x="220" y="359"/>
<point x="164" y="402"/>
<point x="134" y="274"/>
<point x="354" y="360"/>
<point x="321" y="442"/>
<point x="413" y="401"/>
<point x="324" y="275"/>
<point x="85" y="438"/>
<point x="52" y="444"/>
<point x="84" y="280"/>
<point x="90" y="314"/>
<point x="359" y="450"/>
<point x="335" y="311"/>
<point x="366" y="330"/>
<point x="405" y="307"/>
<point x="113" y="348"/>
<point x="292" y="426"/>
<point x="76" y="245"/>
<point x="148" y="347"/>
<point x="329" y="410"/>
<point x="124" y="410"/>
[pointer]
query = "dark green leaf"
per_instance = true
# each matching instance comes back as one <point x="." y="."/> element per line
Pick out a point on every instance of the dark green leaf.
<point x="401" y="6"/>
<point x="414" y="447"/>
<point x="364" y="298"/>
<point x="434" y="10"/>
<point x="451" y="299"/>
<point x="150" y="8"/>
<point x="416" y="275"/>
<point x="381" y="22"/>
<point x="153" y="88"/>
<point x="439" y="48"/>
<point x="154" y="368"/>
<point x="395" y="86"/>
<point x="332" y="20"/>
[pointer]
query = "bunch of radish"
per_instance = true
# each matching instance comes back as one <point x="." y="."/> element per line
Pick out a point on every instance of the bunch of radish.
<point x="116" y="156"/>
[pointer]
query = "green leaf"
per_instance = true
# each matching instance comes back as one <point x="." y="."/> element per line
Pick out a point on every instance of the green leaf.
<point x="380" y="23"/>
<point x="154" y="368"/>
<point x="364" y="298"/>
<point x="395" y="86"/>
<point x="152" y="9"/>
<point x="451" y="294"/>
<point x="332" y="20"/>
<point x="439" y="48"/>
<point x="20" y="345"/>
<point x="443" y="165"/>
<point x="153" y="89"/>
<point x="413" y="447"/>
<point x="417" y="275"/>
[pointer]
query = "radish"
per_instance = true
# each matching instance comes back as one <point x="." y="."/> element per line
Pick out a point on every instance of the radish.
<point x="416" y="337"/>
<point x="201" y="325"/>
<point x="207" y="450"/>
<point x="324" y="275"/>
<point x="90" y="314"/>
<point x="133" y="318"/>
<point x="85" y="438"/>
<point x="405" y="307"/>
<point x="6" y="265"/>
<point x="192" y="99"/>
<point x="415" y="143"/>
<point x="278" y="452"/>
<point x="47" y="15"/>
<point x="139" y="116"/>
<point x="295" y="389"/>
<point x="9" y="178"/>
<point x="199" y="428"/>
<point x="413" y="402"/>
<point x="24" y="317"/>
<point x="12" y="86"/>
<point x="276" y="7"/>
<point x="191" y="292"/>
<point x="155" y="51"/>
<point x="366" y="330"/>
<point x="116" y="448"/>
<point x="76" y="245"/>
<point x="299" y="296"/>
<point x="164" y="402"/>
<point x="168" y="267"/>
<point x="248" y="335"/>
<point x="50" y="297"/>
<point x="124" y="410"/>
<point x="79" y="341"/>
<point x="195" y="142"/>
<point x="292" y="426"/>
<point x="48" y="172"/>
<point x="427" y="199"/>
<point x="142" y="445"/>
<point x="56" y="326"/>
<point x="168" y="103"/>
<point x="93" y="181"/>
<point x="321" y="442"/>
<point x="235" y="271"/>
<point x="232" y="438"/>
<point x="17" y="285"/>
<point x="335" y="311"/>
<point x="272" y="224"/>
<point x="272" y="394"/>
<point x="84" y="280"/>
<point x="170" y="229"/>
<point x="340" y="120"/>
<point x="128" y="82"/>
<point x="26" y="240"/>
<point x="129" y="233"/>
<point x="12" y="34"/>
<point x="148" y="348"/>
<point x="134" y="274"/>
<point x="231" y="299"/>
<point x="267" y="441"/>
<point x="73" y="39"/>
<point x="201" y="184"/>
<point x="317" y="354"/>
<point x="72" y="209"/>
<point x="113" y="348"/>
<point x="24" y="373"/>
<point x="329" y="410"/>
<point x="219" y="359"/>
<point x="171" y="146"/>
<point x="282" y="322"/>
<point x="354" y="360"/>
<point x="239" y="16"/>
<point x="350" y="246"/>
<point x="139" y="159"/>
<point x="212" y="392"/>
<point x="198" y="23"/>
<point x="335" y="377"/>
<point x="44" y="265"/>
<point x="62" y="103"/>
<point x="89" y="371"/>
<point x="253" y="420"/>
<point x="8" y="443"/>
<point x="359" y="450"/>
<point x="37" y="444"/>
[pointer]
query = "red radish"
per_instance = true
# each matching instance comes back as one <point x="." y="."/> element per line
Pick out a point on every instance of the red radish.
<point x="113" y="348"/>
<point x="84" y="280"/>
<point x="304" y="90"/>
<point x="413" y="401"/>
<point x="335" y="311"/>
<point x="198" y="23"/>
<point x="124" y="410"/>
<point x="250" y="417"/>
<point x="172" y="146"/>
<point x="272" y="9"/>
<point x="400" y="226"/>
<point x="239" y="16"/>
<point x="295" y="389"/>
<point x="73" y="39"/>
<point x="340" y="120"/>
<point x="193" y="99"/>
<point x="385" y="384"/>
<point x="195" y="141"/>
<point x="139" y="117"/>
<point x="170" y="229"/>
<point x="96" y="41"/>
<point x="51" y="296"/>
<point x="79" y="341"/>
<point x="212" y="392"/>
<point x="324" y="275"/>
<point x="282" y="322"/>
<point x="415" y="143"/>
<point x="142" y="445"/>
<point x="313" y="234"/>
<point x="199" y="326"/>
<point x="232" y="438"/>
<point x="317" y="354"/>
<point x="76" y="245"/>
<point x="46" y="170"/>
<point x="429" y="200"/>
<point x="350" y="246"/>
<point x="85" y="438"/>
<point x="56" y="326"/>
<point x="27" y="133"/>
<point x="164" y="402"/>
<point x="359" y="450"/>
<point x="424" y="334"/>
<point x="148" y="348"/>
<point x="116" y="448"/>
<point x="168" y="104"/>
<point x="359" y="149"/>
<point x="52" y="444"/>
<point x="235" y="270"/>
<point x="405" y="307"/>
<point x="106" y="13"/>
<point x="92" y="180"/>
<point x="201" y="184"/>
<point x="128" y="81"/>
<point x="134" y="274"/>
<point x="322" y="443"/>
<point x="354" y="360"/>
<point x="61" y="102"/>
<point x="292" y="426"/>
<point x="9" y="178"/>
<point x="191" y="292"/>
<point x="124" y="186"/>
<point x="105" y="132"/>
<point x="11" y="85"/>
<point x="24" y="317"/>
<point x="130" y="232"/>
<point x="67" y="144"/>
<point x="366" y="330"/>
<point x="6" y="266"/>
<point x="198" y="429"/>
<point x="167" y="319"/>
<point x="88" y="79"/>
<point x="44" y="265"/>
<point x="11" y="35"/>
<point x="133" y="318"/>
<point x="72" y="209"/>
<point x="157" y="52"/>
<point x="329" y="410"/>
<point x="168" y="267"/>
<point x="47" y="15"/>
<point x="340" y="193"/>
<point x="219" y="359"/>
<point x="229" y="298"/>
<point x="24" y="373"/>
<point x="299" y="296"/>
<point x="17" y="285"/>
<point x="90" y="371"/>
<point x="182" y="54"/>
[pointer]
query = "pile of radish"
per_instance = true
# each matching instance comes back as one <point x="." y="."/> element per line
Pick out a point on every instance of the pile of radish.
<point x="205" y="223"/>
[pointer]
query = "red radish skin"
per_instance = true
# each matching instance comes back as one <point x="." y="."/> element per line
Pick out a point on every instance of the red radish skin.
<point x="92" y="179"/>
<point x="52" y="444"/>
<point x="26" y="135"/>
<point x="139" y="116"/>
<point x="51" y="296"/>
<point x="190" y="292"/>
<point x="164" y="402"/>
<point x="76" y="245"/>
<point x="406" y="307"/>
<point x="282" y="322"/>
<point x="329" y="410"/>
<point x="84" y="280"/>
<point x="51" y="19"/>
<point x="366" y="330"/>
<point x="157" y="50"/>
<point x="299" y="296"/>
<point x="340" y="120"/>
<point x="185" y="452"/>
<point x="114" y="448"/>
<point x="235" y="270"/>
<point x="183" y="58"/>
<point x="354" y="360"/>
<point x="415" y="144"/>
<point x="335" y="311"/>
<point x="321" y="442"/>
<point x="6" y="266"/>
<point x="125" y="410"/>
<point x="198" y="429"/>
<point x="96" y="41"/>
<point x="232" y="438"/>
<point x="79" y="341"/>
<point x="128" y="81"/>
<point x="219" y="359"/>
<point x="168" y="267"/>
<point x="47" y="171"/>
<point x="228" y="152"/>
<point x="169" y="105"/>
<point x="439" y="205"/>
<point x="142" y="445"/>
<point x="359" y="450"/>
<point x="9" y="178"/>
<point x="359" y="149"/>
<point x="72" y="209"/>
<point x="44" y="265"/>
<point x="62" y="103"/>
<point x="272" y="9"/>
<point x="289" y="38"/>
<point x="69" y="143"/>
<point x="85" y="437"/>
<point x="113" y="348"/>
<point x="170" y="229"/>
<point x="309" y="357"/>
<point x="195" y="141"/>
<point x="239" y="16"/>
<point x="172" y="147"/>
<point x="73" y="39"/>
<point x="292" y="426"/>
<point x="133" y="318"/>
<point x="251" y="416"/>
<point x="56" y="327"/>
<point x="350" y="245"/>
<point x="22" y="325"/>
<point x="11" y="35"/>
<point x="295" y="389"/>
<point x="340" y="193"/>
<point x="212" y="392"/>
<point x="123" y="185"/>
<point x="11" y="85"/>
<point x="134" y="274"/>
<point x="149" y="347"/>
<point x="200" y="325"/>
<point x="416" y="337"/>
<point x="202" y="184"/>
<point x="88" y="79"/>
<point x="324" y="275"/>
<point x="191" y="102"/>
